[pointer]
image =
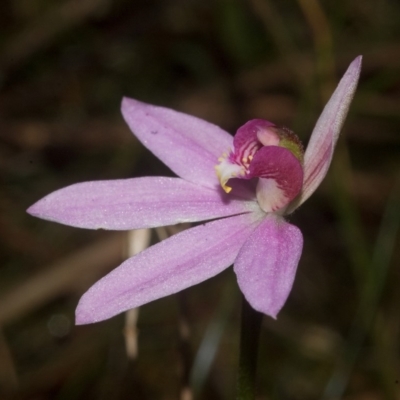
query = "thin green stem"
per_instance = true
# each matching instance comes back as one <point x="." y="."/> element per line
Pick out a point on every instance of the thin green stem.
<point x="249" y="335"/>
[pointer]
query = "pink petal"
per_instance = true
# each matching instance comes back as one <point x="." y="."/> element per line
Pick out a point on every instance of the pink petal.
<point x="266" y="264"/>
<point x="188" y="145"/>
<point x="319" y="152"/>
<point x="281" y="177"/>
<point x="183" y="260"/>
<point x="136" y="203"/>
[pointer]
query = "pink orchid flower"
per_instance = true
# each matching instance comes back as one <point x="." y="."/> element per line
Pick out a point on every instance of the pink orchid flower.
<point x="268" y="177"/>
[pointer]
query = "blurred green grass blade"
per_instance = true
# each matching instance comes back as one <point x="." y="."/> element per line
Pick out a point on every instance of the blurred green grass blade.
<point x="212" y="338"/>
<point x="387" y="234"/>
<point x="349" y="218"/>
<point x="240" y="36"/>
<point x="362" y="323"/>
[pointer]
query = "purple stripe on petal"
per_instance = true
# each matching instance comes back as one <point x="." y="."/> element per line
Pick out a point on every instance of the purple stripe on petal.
<point x="281" y="177"/>
<point x="186" y="144"/>
<point x="136" y="203"/>
<point x="319" y="152"/>
<point x="266" y="264"/>
<point x="247" y="141"/>
<point x="252" y="135"/>
<point x="181" y="261"/>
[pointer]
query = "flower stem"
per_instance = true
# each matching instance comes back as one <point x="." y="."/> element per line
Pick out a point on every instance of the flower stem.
<point x="249" y="335"/>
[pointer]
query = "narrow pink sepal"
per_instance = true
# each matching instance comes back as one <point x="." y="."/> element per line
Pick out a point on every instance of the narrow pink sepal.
<point x="136" y="203"/>
<point x="266" y="265"/>
<point x="183" y="260"/>
<point x="188" y="145"/>
<point x="319" y="152"/>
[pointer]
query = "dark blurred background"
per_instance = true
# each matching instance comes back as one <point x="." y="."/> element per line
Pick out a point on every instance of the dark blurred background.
<point x="64" y="67"/>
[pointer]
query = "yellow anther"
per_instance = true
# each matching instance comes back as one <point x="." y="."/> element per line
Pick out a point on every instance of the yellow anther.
<point x="227" y="188"/>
